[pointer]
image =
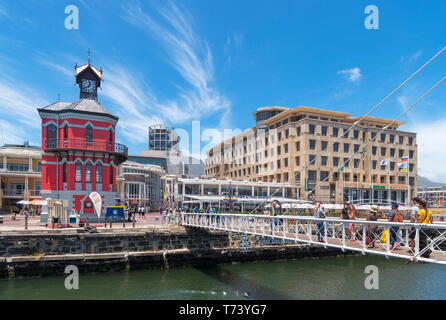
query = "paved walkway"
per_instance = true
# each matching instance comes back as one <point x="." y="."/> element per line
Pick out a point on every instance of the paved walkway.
<point x="151" y="219"/>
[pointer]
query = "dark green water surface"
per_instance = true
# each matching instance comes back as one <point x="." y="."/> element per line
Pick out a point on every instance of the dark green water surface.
<point x="323" y="278"/>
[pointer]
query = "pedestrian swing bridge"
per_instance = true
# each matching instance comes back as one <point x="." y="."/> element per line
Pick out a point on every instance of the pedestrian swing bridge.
<point x="335" y="233"/>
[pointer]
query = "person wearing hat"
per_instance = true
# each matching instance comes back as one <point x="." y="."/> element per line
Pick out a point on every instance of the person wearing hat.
<point x="373" y="215"/>
<point x="394" y="216"/>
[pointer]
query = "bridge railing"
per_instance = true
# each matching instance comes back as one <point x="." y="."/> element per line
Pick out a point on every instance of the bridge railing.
<point x="414" y="241"/>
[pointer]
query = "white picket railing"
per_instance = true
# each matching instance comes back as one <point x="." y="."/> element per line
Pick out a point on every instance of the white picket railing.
<point x="335" y="233"/>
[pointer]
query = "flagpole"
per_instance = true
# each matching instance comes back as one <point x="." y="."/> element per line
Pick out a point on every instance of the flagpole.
<point x="371" y="179"/>
<point x="388" y="180"/>
<point x="408" y="184"/>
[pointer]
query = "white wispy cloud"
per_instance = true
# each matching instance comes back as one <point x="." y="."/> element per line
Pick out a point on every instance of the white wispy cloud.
<point x="19" y="118"/>
<point x="431" y="152"/>
<point x="189" y="55"/>
<point x="353" y="75"/>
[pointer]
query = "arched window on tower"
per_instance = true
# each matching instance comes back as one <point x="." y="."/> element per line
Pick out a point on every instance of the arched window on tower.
<point x="65" y="132"/>
<point x="88" y="173"/>
<point x="99" y="173"/>
<point x="78" y="169"/>
<point x="89" y="134"/>
<point x="110" y="136"/>
<point x="65" y="172"/>
<point x="51" y="136"/>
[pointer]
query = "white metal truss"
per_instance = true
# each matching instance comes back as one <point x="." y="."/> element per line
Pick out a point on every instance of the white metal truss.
<point x="355" y="235"/>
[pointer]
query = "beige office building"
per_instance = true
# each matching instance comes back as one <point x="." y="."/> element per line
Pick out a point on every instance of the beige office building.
<point x="284" y="140"/>
<point x="20" y="174"/>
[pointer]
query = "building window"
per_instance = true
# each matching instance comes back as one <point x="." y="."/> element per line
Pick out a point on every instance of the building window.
<point x="65" y="132"/>
<point x="356" y="163"/>
<point x="336" y="147"/>
<point x="297" y="161"/>
<point x="410" y="154"/>
<point x="78" y="169"/>
<point x="401" y="139"/>
<point x="324" y="130"/>
<point x="298" y="146"/>
<point x="374" y="151"/>
<point x="323" y="175"/>
<point x="89" y="133"/>
<point x="345" y="135"/>
<point x="391" y="138"/>
<point x="65" y="172"/>
<point x="373" y="134"/>
<point x="335" y="132"/>
<point x="400" y="153"/>
<point x="88" y="173"/>
<point x="335" y="161"/>
<point x="311" y="158"/>
<point x="110" y="136"/>
<point x="356" y="148"/>
<point x="383" y="152"/>
<point x="312" y="128"/>
<point x="311" y="176"/>
<point x="285" y="162"/>
<point x="374" y="164"/>
<point x="324" y="145"/>
<point x="383" y="137"/>
<point x="346" y="147"/>
<point x="355" y="134"/>
<point x="392" y="166"/>
<point x="392" y="152"/>
<point x="285" y="147"/>
<point x="312" y="144"/>
<point x="410" y="141"/>
<point x="323" y="160"/>
<point x="346" y="161"/>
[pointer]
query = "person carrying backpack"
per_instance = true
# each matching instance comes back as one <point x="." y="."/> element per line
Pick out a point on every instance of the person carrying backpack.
<point x="394" y="216"/>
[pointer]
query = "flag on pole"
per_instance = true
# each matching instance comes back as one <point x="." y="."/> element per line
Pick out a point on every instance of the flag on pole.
<point x="402" y="167"/>
<point x="404" y="159"/>
<point x="363" y="152"/>
<point x="340" y="169"/>
<point x="384" y="162"/>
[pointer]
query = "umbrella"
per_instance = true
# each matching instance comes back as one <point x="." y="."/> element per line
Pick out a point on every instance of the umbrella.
<point x="23" y="202"/>
<point x="38" y="202"/>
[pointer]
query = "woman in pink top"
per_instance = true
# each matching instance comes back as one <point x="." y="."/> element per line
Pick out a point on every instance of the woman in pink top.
<point x="352" y="216"/>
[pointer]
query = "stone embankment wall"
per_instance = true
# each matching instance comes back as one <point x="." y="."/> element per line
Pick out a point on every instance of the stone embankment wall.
<point x="49" y="252"/>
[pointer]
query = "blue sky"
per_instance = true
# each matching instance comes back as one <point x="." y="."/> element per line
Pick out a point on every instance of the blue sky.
<point x="217" y="61"/>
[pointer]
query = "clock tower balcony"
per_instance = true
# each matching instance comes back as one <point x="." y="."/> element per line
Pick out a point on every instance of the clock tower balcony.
<point x="119" y="151"/>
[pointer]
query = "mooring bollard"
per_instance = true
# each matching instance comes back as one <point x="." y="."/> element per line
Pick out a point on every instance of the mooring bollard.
<point x="123" y="223"/>
<point x="26" y="222"/>
<point x="111" y="223"/>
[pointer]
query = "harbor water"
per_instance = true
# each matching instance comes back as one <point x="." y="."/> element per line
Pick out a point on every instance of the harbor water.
<point x="340" y="277"/>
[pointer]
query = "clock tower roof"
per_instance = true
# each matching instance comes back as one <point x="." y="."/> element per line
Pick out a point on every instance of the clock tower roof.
<point x="86" y="70"/>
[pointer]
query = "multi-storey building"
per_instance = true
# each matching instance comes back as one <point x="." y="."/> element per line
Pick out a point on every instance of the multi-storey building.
<point x="163" y="138"/>
<point x="434" y="196"/>
<point x="20" y="174"/>
<point x="140" y="184"/>
<point x="285" y="140"/>
<point x="79" y="150"/>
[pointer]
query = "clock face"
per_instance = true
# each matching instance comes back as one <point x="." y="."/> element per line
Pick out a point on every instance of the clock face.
<point x="88" y="86"/>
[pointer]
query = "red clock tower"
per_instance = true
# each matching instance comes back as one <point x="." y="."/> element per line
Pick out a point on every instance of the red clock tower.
<point x="80" y="154"/>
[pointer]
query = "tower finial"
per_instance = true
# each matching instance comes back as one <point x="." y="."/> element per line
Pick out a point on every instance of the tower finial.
<point x="89" y="52"/>
<point x="58" y="97"/>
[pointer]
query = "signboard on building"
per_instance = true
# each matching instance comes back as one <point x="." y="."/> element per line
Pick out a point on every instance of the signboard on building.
<point x="114" y="212"/>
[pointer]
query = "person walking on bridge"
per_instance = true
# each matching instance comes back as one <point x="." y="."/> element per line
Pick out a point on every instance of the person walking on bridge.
<point x="319" y="213"/>
<point x="372" y="228"/>
<point x="394" y="216"/>
<point x="424" y="216"/>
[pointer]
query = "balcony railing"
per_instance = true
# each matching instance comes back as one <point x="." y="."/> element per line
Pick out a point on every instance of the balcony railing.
<point x="87" y="145"/>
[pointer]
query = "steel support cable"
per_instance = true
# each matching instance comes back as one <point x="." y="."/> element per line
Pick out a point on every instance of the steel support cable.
<point x="376" y="136"/>
<point x="355" y="124"/>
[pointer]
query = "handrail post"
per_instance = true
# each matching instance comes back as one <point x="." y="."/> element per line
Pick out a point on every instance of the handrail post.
<point x="417" y="240"/>
<point x="310" y="235"/>
<point x="388" y="240"/>
<point x="297" y="229"/>
<point x="343" y="235"/>
<point x="364" y="235"/>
